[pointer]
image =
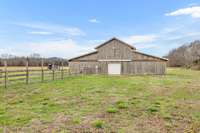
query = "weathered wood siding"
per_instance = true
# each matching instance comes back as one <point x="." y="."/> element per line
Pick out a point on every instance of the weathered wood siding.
<point x="114" y="50"/>
<point x="139" y="63"/>
<point x="139" y="67"/>
<point x="83" y="67"/>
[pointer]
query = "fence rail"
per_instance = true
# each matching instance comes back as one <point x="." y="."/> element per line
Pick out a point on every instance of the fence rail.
<point x="29" y="75"/>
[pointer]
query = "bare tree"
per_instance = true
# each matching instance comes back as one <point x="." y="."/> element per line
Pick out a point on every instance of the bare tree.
<point x="34" y="60"/>
<point x="185" y="55"/>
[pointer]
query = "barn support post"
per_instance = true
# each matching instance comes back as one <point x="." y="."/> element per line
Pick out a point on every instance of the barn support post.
<point x="6" y="74"/>
<point x="42" y="70"/>
<point x="27" y="71"/>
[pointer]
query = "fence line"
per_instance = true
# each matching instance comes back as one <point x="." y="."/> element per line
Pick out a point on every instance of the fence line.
<point x="28" y="75"/>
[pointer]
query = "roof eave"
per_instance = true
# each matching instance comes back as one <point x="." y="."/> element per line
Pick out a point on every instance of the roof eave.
<point x="82" y="55"/>
<point x="165" y="59"/>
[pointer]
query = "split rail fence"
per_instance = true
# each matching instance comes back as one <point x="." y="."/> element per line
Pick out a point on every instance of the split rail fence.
<point x="31" y="75"/>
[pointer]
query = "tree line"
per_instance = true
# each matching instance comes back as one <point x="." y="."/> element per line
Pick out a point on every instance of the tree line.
<point x="33" y="59"/>
<point x="186" y="55"/>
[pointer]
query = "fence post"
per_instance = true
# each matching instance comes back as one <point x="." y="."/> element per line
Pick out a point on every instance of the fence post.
<point x="1" y="76"/>
<point x="68" y="71"/>
<point x="53" y="70"/>
<point x="27" y="71"/>
<point x="6" y="73"/>
<point x="62" y="72"/>
<point x="42" y="65"/>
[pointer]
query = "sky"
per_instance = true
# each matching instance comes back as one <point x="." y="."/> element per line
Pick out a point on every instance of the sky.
<point x="67" y="28"/>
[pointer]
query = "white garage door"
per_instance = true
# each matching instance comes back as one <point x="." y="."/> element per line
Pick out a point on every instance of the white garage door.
<point x="114" y="68"/>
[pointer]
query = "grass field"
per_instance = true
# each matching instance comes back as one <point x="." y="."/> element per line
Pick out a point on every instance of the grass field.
<point x="100" y="103"/>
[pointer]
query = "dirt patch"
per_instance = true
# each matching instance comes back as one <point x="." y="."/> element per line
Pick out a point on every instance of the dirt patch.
<point x="152" y="124"/>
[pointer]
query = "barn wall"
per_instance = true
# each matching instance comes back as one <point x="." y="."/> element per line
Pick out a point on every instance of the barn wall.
<point x="137" y="67"/>
<point x="145" y="67"/>
<point x="121" y="51"/>
<point x="83" y="67"/>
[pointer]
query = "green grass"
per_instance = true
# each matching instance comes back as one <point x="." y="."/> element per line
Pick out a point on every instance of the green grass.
<point x="112" y="110"/>
<point x="98" y="124"/>
<point x="93" y="103"/>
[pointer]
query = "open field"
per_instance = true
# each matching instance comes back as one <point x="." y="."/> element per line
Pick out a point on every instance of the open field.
<point x="100" y="103"/>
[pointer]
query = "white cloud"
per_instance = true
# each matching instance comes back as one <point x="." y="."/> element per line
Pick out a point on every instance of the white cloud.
<point x="140" y="39"/>
<point x="193" y="4"/>
<point x="62" y="48"/>
<point x="146" y="46"/>
<point x="96" y="42"/>
<point x="94" y="20"/>
<point x="57" y="48"/>
<point x="192" y="11"/>
<point x="40" y="33"/>
<point x="172" y="29"/>
<point x="53" y="28"/>
<point x="193" y="33"/>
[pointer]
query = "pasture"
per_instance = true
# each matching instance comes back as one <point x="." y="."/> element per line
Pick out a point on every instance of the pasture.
<point x="100" y="103"/>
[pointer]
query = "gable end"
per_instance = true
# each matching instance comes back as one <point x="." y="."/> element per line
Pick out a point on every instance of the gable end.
<point x="116" y="40"/>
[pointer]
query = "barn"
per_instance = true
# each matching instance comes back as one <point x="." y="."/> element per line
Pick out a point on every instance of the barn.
<point x="116" y="57"/>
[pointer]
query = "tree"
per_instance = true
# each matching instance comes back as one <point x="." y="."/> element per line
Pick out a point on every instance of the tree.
<point x="184" y="55"/>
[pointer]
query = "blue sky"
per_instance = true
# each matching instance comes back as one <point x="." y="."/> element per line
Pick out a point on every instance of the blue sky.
<point x="66" y="28"/>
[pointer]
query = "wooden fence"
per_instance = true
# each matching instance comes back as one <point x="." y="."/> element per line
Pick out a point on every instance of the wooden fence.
<point x="30" y="75"/>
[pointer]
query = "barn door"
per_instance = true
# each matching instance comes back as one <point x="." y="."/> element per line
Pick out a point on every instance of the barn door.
<point x="114" y="68"/>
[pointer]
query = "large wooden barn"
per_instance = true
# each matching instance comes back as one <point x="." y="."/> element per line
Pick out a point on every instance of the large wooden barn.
<point x="117" y="57"/>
